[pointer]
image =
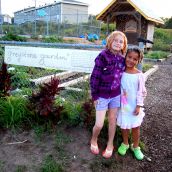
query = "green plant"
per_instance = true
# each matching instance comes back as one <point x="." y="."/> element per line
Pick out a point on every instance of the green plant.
<point x="13" y="37"/>
<point x="77" y="96"/>
<point x="71" y="113"/>
<point x="162" y="39"/>
<point x="38" y="131"/>
<point x="14" y="111"/>
<point x="142" y="145"/>
<point x="104" y="26"/>
<point x="20" y="79"/>
<point x="146" y="67"/>
<point x="50" y="165"/>
<point x="21" y="168"/>
<point x="156" y="55"/>
<point x="5" y="82"/>
<point x="61" y="139"/>
<point x="1" y="165"/>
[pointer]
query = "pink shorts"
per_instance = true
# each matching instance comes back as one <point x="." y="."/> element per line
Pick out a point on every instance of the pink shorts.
<point x="110" y="103"/>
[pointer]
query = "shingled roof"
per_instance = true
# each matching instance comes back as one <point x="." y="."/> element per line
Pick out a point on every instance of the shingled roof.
<point x="138" y="5"/>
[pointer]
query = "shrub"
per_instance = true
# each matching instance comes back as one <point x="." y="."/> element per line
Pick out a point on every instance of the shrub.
<point x="14" y="111"/>
<point x="71" y="113"/>
<point x="159" y="44"/>
<point x="20" y="79"/>
<point x="13" y="37"/>
<point x="146" y="67"/>
<point x="162" y="39"/>
<point x="42" y="103"/>
<point x="104" y="26"/>
<point x="156" y="55"/>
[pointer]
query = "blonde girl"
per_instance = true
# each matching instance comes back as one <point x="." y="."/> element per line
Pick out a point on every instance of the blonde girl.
<point x="105" y="88"/>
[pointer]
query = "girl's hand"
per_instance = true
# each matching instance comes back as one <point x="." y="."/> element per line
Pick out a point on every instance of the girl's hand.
<point x="137" y="110"/>
<point x="95" y="103"/>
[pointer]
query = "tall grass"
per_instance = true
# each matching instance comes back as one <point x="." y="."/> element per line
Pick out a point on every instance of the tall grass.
<point x="13" y="111"/>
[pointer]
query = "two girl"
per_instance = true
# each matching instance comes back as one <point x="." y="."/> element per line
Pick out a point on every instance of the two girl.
<point x="106" y="88"/>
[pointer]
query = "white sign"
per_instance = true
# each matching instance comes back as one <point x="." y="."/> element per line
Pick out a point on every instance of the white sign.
<point x="64" y="59"/>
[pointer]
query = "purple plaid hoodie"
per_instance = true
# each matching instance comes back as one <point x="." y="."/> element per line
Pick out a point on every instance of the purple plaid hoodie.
<point x="106" y="75"/>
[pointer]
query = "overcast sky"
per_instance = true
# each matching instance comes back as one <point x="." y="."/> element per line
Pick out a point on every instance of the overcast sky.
<point x="163" y="8"/>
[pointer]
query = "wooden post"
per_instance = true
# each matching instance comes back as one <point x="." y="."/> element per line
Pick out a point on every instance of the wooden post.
<point x="140" y="26"/>
<point x="108" y="25"/>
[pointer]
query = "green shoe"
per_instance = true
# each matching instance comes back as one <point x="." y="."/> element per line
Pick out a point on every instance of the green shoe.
<point x="123" y="149"/>
<point x="137" y="153"/>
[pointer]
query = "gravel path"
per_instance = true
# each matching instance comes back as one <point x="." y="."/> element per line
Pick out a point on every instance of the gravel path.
<point x="157" y="126"/>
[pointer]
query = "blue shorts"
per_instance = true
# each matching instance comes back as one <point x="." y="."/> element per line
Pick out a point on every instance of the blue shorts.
<point x="110" y="103"/>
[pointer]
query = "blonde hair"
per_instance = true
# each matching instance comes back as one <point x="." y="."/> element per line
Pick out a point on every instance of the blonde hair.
<point x="111" y="38"/>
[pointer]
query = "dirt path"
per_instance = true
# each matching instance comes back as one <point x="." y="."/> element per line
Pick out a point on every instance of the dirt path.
<point x="70" y="146"/>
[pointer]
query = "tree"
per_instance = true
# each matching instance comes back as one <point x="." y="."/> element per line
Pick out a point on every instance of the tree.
<point x="168" y="23"/>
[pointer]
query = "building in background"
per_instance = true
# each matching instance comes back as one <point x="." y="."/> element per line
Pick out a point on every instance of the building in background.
<point x="6" y="19"/>
<point x="63" y="11"/>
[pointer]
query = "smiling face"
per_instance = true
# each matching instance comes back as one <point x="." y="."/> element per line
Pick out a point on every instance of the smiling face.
<point x="118" y="43"/>
<point x="132" y="59"/>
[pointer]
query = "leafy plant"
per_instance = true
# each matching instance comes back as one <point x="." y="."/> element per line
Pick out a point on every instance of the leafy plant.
<point x="20" y="79"/>
<point x="156" y="55"/>
<point x="13" y="37"/>
<point x="43" y="101"/>
<point x="72" y="112"/>
<point x="162" y="39"/>
<point x="146" y="67"/>
<point x="14" y="111"/>
<point x="5" y="82"/>
<point x="50" y="165"/>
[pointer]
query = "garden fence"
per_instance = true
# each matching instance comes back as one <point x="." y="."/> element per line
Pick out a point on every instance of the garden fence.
<point x="74" y="25"/>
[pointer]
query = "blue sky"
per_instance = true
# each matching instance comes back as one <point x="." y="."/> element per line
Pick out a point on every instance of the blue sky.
<point x="161" y="7"/>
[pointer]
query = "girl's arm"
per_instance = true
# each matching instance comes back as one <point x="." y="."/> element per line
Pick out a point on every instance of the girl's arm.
<point x="96" y="76"/>
<point x="141" y="93"/>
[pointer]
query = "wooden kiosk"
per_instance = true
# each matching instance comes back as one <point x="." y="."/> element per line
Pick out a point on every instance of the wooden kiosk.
<point x="133" y="18"/>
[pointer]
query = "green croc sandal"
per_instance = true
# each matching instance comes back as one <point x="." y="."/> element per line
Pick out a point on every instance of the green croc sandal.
<point x="137" y="153"/>
<point x="123" y="149"/>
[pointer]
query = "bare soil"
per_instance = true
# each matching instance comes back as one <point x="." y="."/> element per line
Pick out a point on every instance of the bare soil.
<point x="74" y="153"/>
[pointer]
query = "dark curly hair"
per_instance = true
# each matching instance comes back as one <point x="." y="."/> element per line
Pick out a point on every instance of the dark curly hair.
<point x="136" y="50"/>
